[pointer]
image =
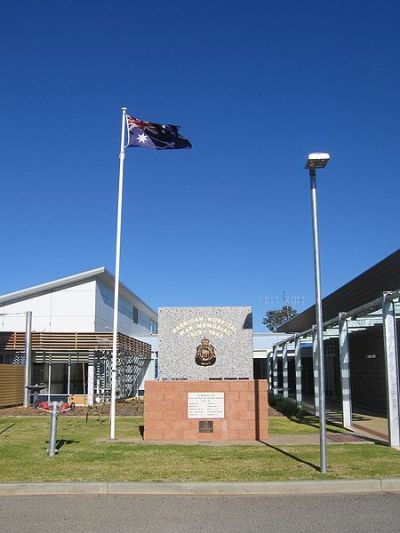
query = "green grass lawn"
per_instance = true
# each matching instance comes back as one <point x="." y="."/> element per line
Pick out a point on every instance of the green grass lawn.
<point x="280" y="425"/>
<point x="87" y="455"/>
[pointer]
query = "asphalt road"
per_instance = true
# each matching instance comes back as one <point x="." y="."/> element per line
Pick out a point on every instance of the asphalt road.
<point x="378" y="513"/>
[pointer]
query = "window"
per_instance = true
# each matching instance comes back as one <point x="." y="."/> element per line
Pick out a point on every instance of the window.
<point x="135" y="314"/>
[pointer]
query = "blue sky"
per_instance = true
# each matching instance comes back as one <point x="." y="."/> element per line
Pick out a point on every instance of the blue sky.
<point x="256" y="86"/>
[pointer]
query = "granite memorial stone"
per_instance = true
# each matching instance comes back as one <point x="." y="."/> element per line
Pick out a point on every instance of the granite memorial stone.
<point x="200" y="343"/>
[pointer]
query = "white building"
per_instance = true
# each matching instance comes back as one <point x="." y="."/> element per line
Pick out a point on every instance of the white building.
<point x="82" y="303"/>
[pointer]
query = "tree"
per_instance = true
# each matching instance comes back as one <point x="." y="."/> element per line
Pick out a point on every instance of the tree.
<point x="276" y="317"/>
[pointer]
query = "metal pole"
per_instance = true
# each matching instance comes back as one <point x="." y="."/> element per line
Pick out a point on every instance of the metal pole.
<point x="97" y="371"/>
<point x="315" y="369"/>
<point x="49" y="384"/>
<point x="53" y="430"/>
<point x="320" y="340"/>
<point x="69" y="380"/>
<point x="116" y="285"/>
<point x="28" y="346"/>
<point x="90" y="384"/>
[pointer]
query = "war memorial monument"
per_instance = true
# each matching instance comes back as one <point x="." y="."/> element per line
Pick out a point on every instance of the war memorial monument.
<point x="206" y="390"/>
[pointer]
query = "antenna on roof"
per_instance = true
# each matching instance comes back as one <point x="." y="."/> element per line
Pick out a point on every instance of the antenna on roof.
<point x="294" y="301"/>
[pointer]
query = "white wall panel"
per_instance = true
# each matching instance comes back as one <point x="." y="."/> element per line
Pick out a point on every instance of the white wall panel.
<point x="78" y="300"/>
<point x="104" y="313"/>
<point x="69" y="309"/>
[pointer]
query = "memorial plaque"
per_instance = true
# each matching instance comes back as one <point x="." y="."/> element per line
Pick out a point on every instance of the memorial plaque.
<point x="206" y="426"/>
<point x="206" y="405"/>
<point x="199" y="343"/>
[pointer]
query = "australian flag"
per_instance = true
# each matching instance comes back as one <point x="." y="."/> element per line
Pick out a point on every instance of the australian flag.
<point x="157" y="136"/>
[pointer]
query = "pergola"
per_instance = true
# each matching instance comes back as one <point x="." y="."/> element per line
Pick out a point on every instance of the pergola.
<point x="382" y="311"/>
<point x="94" y="349"/>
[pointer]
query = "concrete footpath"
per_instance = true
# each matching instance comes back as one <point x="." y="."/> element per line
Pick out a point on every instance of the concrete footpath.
<point x="338" y="486"/>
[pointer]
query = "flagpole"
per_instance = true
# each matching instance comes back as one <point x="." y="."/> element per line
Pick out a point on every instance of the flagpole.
<point x="116" y="283"/>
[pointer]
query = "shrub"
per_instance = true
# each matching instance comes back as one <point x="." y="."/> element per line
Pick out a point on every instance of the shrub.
<point x="287" y="407"/>
<point x="272" y="400"/>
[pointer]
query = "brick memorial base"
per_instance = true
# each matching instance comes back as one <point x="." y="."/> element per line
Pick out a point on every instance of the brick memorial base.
<point x="212" y="410"/>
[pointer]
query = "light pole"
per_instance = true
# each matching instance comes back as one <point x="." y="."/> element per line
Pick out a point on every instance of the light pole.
<point x="314" y="161"/>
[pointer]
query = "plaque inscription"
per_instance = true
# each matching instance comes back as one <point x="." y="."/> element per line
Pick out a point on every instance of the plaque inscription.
<point x="206" y="405"/>
<point x="206" y="426"/>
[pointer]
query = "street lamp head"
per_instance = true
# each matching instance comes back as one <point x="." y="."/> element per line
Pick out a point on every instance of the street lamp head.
<point x="317" y="160"/>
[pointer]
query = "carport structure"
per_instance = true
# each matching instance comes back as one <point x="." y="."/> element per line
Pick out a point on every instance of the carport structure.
<point x="376" y="318"/>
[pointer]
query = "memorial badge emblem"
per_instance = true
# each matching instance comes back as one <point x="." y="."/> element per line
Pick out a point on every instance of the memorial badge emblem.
<point x="205" y="353"/>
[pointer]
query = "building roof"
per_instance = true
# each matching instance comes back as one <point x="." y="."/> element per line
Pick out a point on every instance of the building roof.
<point x="266" y="340"/>
<point x="100" y="273"/>
<point x="384" y="276"/>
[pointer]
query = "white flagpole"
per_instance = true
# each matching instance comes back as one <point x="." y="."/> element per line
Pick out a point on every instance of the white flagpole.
<point x="116" y="286"/>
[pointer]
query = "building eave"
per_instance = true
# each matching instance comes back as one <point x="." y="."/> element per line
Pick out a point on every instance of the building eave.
<point x="100" y="273"/>
<point x="51" y="285"/>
